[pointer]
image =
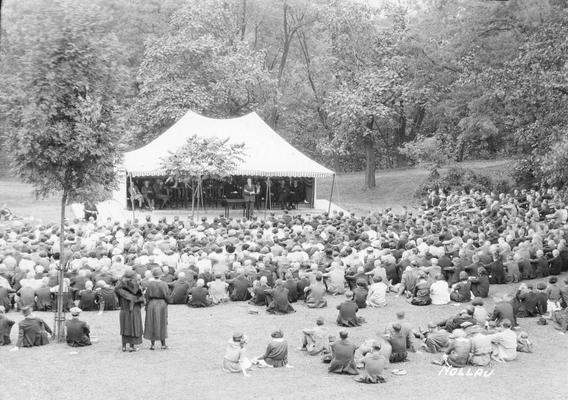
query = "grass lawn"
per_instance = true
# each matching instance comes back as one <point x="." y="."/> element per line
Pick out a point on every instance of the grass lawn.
<point x="191" y="368"/>
<point x="394" y="189"/>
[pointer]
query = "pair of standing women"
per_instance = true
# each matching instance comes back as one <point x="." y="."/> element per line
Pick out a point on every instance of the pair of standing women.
<point x="131" y="299"/>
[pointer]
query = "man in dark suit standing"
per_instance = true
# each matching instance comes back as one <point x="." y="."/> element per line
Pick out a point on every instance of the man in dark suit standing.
<point x="249" y="193"/>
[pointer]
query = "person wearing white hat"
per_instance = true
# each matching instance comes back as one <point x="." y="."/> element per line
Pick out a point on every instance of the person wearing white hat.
<point x="77" y="332"/>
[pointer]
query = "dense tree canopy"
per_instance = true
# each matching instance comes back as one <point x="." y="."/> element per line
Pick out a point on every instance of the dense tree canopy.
<point x="352" y="85"/>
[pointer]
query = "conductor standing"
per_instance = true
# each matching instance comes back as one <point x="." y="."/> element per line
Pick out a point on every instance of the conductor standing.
<point x="249" y="192"/>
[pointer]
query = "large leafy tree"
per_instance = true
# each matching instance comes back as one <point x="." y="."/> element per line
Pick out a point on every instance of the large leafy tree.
<point x="201" y="63"/>
<point x="64" y="140"/>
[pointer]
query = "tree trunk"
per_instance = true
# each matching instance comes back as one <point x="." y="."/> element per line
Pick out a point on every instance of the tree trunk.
<point x="371" y="161"/>
<point x="59" y="317"/>
<point x="193" y="201"/>
<point x="244" y="20"/>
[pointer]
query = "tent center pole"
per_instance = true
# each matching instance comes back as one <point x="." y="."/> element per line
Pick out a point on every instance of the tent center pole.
<point x="331" y="195"/>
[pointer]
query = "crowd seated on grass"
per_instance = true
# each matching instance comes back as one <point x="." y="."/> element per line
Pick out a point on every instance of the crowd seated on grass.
<point x="452" y="249"/>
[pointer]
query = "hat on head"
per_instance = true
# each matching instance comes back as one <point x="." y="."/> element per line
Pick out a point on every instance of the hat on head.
<point x="75" y="311"/>
<point x="238" y="336"/>
<point x="277" y="334"/>
<point x="157" y="272"/>
<point x="541" y="286"/>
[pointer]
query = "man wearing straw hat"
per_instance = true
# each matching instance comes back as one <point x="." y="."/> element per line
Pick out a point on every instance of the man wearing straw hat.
<point x="77" y="332"/>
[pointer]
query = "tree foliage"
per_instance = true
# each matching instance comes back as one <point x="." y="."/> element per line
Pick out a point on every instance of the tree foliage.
<point x="352" y="85"/>
<point x="201" y="157"/>
<point x="65" y="139"/>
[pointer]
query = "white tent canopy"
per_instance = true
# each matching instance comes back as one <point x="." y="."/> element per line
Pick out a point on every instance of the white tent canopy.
<point x="266" y="152"/>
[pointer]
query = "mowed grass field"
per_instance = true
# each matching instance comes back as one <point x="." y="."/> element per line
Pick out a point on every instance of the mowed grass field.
<point x="191" y="368"/>
<point x="394" y="188"/>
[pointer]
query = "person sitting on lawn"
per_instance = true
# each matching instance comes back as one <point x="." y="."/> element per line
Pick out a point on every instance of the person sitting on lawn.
<point x="458" y="351"/>
<point x="343" y="352"/>
<point x="440" y="291"/>
<point x="377" y="293"/>
<point x="504" y="343"/>
<point x="480" y="283"/>
<point x="219" y="290"/>
<point x="33" y="331"/>
<point x="199" y="295"/>
<point x="374" y="364"/>
<point x="461" y="291"/>
<point x="278" y="299"/>
<point x="316" y="340"/>
<point x="77" y="332"/>
<point x="435" y="339"/>
<point x="5" y="328"/>
<point x="360" y="293"/>
<point x="401" y="343"/>
<point x="235" y="359"/>
<point x="480" y="347"/>
<point x="348" y="312"/>
<point x="421" y="294"/>
<point x="315" y="293"/>
<point x="87" y="298"/>
<point x="276" y="354"/>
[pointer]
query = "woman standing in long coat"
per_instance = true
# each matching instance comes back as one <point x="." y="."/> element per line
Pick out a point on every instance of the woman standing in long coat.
<point x="156" y="324"/>
<point x="130" y="299"/>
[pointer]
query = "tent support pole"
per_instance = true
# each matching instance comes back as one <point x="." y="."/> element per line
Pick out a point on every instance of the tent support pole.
<point x="267" y="196"/>
<point x="331" y="195"/>
<point x="132" y="200"/>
